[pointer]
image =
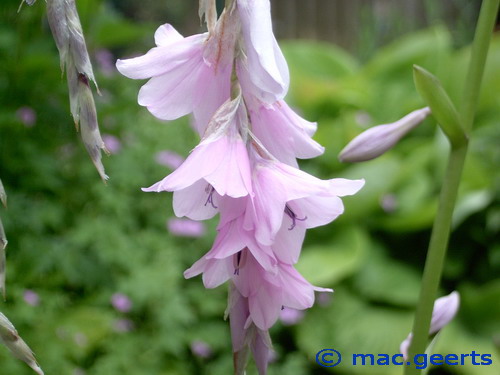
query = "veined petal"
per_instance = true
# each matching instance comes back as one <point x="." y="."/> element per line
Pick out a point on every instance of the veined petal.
<point x="278" y="121"/>
<point x="265" y="306"/>
<point x="288" y="241"/>
<point x="176" y="94"/>
<point x="194" y="201"/>
<point x="163" y="59"/>
<point x="166" y="35"/>
<point x="316" y="210"/>
<point x="202" y="161"/>
<point x="264" y="59"/>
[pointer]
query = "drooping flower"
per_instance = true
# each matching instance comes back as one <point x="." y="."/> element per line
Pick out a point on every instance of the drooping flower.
<point x="188" y="75"/>
<point x="218" y="164"/>
<point x="445" y="309"/>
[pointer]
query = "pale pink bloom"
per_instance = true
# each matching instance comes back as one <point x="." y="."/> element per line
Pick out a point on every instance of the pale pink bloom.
<point x="112" y="143"/>
<point x="201" y="349"/>
<point x="169" y="159"/>
<point x="279" y="122"/>
<point x="445" y="309"/>
<point x="262" y="64"/>
<point x="379" y="139"/>
<point x="31" y="297"/>
<point x="186" y="228"/>
<point x="290" y="317"/>
<point x="121" y="302"/>
<point x="27" y="116"/>
<point x="281" y="189"/>
<point x="267" y="292"/>
<point x="218" y="164"/>
<point x="188" y="75"/>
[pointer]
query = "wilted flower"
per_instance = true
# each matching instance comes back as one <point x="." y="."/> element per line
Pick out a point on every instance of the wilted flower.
<point x="121" y="302"/>
<point x="445" y="309"/>
<point x="68" y="35"/>
<point x="186" y="228"/>
<point x="379" y="139"/>
<point x="31" y="297"/>
<point x="201" y="349"/>
<point x="27" y="116"/>
<point x="17" y="346"/>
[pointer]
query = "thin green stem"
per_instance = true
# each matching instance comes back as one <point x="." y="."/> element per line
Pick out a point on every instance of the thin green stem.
<point x="442" y="224"/>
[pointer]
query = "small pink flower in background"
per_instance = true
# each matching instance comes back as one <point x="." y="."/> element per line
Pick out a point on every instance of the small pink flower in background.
<point x="105" y="61"/>
<point x="27" y="116"/>
<point x="112" y="143"/>
<point x="121" y="302"/>
<point x="79" y="371"/>
<point x="123" y="325"/>
<point x="201" y="349"/>
<point x="324" y="299"/>
<point x="31" y="298"/>
<point x="186" y="228"/>
<point x="169" y="159"/>
<point x="290" y="317"/>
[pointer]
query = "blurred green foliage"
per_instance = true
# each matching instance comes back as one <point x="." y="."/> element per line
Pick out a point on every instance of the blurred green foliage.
<point x="76" y="242"/>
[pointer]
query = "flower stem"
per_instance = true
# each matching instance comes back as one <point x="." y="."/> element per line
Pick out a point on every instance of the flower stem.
<point x="442" y="223"/>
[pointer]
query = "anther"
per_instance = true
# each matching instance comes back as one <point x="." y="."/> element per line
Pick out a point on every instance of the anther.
<point x="293" y="216"/>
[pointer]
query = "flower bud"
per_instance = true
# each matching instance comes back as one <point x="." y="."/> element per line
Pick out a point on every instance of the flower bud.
<point x="445" y="309"/>
<point x="379" y="139"/>
<point x="16" y="344"/>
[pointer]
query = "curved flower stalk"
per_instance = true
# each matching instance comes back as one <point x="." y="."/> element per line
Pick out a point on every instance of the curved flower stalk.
<point x="233" y="80"/>
<point x="68" y="35"/>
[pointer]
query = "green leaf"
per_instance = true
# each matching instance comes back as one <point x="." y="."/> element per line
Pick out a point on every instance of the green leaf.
<point x="328" y="264"/>
<point x="443" y="110"/>
<point x="386" y="280"/>
<point x="351" y="326"/>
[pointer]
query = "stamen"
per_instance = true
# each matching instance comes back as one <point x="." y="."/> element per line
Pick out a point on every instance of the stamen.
<point x="293" y="216"/>
<point x="210" y="199"/>
<point x="239" y="260"/>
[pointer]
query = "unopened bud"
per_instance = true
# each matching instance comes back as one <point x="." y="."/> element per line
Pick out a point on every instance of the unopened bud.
<point x="445" y="309"/>
<point x="16" y="344"/>
<point x="379" y="139"/>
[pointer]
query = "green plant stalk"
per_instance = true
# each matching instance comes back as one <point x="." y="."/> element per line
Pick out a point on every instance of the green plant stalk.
<point x="442" y="224"/>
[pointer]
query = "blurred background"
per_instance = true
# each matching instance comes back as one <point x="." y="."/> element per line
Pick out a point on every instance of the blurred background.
<point x="94" y="271"/>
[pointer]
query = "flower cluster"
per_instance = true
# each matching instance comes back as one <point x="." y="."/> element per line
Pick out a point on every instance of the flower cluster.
<point x="233" y="80"/>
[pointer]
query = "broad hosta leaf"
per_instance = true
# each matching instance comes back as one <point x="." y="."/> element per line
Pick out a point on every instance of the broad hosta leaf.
<point x="350" y="326"/>
<point x="387" y="281"/>
<point x="328" y="264"/>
